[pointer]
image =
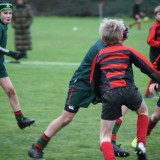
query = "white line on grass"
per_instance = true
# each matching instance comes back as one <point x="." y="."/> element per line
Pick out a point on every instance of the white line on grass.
<point x="50" y="63"/>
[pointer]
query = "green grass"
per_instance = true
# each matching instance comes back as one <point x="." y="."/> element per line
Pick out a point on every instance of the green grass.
<point x="42" y="91"/>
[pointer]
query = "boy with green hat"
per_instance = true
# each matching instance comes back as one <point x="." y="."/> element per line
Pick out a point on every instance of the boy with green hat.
<point x="5" y="82"/>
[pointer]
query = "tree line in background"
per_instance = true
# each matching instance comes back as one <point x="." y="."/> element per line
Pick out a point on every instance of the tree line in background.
<point x="85" y="8"/>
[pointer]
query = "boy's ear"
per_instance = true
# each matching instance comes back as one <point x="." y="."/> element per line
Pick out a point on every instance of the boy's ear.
<point x="104" y="39"/>
<point x="125" y="34"/>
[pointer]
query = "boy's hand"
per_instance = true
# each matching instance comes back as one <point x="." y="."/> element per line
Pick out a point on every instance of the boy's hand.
<point x="153" y="87"/>
<point x="16" y="55"/>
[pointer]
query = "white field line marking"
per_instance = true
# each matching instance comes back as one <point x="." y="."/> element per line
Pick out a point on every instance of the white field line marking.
<point x="50" y="63"/>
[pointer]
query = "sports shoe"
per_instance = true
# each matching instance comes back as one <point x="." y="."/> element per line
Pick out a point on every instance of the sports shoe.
<point x="25" y="122"/>
<point x="141" y="151"/>
<point x="119" y="152"/>
<point x="134" y="142"/>
<point x="35" y="153"/>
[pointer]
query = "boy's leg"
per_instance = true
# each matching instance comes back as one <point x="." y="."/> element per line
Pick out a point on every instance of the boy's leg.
<point x="74" y="98"/>
<point x="105" y="139"/>
<point x="36" y="151"/>
<point x="116" y="129"/>
<point x="14" y="102"/>
<point x="119" y="152"/>
<point x="118" y="124"/>
<point x="155" y="117"/>
<point x="142" y="124"/>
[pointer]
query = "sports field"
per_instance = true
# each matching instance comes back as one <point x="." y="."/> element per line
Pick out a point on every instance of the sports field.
<point x="41" y="81"/>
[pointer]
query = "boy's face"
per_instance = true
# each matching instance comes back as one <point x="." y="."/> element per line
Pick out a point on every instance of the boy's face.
<point x="157" y="16"/>
<point x="6" y="16"/>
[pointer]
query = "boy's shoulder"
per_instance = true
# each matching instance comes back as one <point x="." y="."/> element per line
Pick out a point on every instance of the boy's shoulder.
<point x="155" y="24"/>
<point x="2" y="26"/>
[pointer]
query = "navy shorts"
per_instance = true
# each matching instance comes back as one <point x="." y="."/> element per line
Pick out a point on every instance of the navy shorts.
<point x="78" y="98"/>
<point x="113" y="100"/>
<point x="3" y="72"/>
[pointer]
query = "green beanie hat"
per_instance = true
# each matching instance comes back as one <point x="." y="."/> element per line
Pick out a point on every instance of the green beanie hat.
<point x="5" y="6"/>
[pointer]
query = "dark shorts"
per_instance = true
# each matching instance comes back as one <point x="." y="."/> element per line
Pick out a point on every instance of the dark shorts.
<point x="113" y="100"/>
<point x="3" y="72"/>
<point x="77" y="98"/>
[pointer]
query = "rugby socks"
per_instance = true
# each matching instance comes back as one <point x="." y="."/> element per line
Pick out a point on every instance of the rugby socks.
<point x="142" y="124"/>
<point x="42" y="142"/>
<point x="151" y="125"/>
<point x="18" y="115"/>
<point x="115" y="130"/>
<point x="107" y="150"/>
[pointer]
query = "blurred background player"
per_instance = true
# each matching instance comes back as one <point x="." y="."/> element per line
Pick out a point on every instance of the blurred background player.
<point x="21" y="22"/>
<point x="137" y="15"/>
<point x="154" y="42"/>
<point x="5" y="82"/>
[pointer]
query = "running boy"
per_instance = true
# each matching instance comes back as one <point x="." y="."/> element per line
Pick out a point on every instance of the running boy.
<point x="155" y="117"/>
<point x="79" y="95"/>
<point x="112" y="73"/>
<point x="137" y="14"/>
<point x="5" y="82"/>
<point x="154" y="42"/>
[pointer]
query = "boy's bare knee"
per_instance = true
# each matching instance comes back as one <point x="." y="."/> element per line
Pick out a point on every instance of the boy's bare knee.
<point x="10" y="92"/>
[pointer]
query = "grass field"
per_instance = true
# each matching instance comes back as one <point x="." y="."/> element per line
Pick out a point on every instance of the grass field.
<point x="42" y="89"/>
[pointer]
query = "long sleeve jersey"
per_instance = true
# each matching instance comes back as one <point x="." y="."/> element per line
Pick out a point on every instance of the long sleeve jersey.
<point x="3" y="43"/>
<point x="154" y="35"/>
<point x="154" y="39"/>
<point x="80" y="78"/>
<point x="114" y="64"/>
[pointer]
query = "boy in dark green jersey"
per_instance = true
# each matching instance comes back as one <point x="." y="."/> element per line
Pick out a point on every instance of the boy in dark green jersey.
<point x="79" y="95"/>
<point x="5" y="82"/>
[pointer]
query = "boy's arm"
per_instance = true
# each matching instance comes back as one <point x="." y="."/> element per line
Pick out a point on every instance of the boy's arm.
<point x="151" y="37"/>
<point x="95" y="78"/>
<point x="145" y="66"/>
<point x="12" y="54"/>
